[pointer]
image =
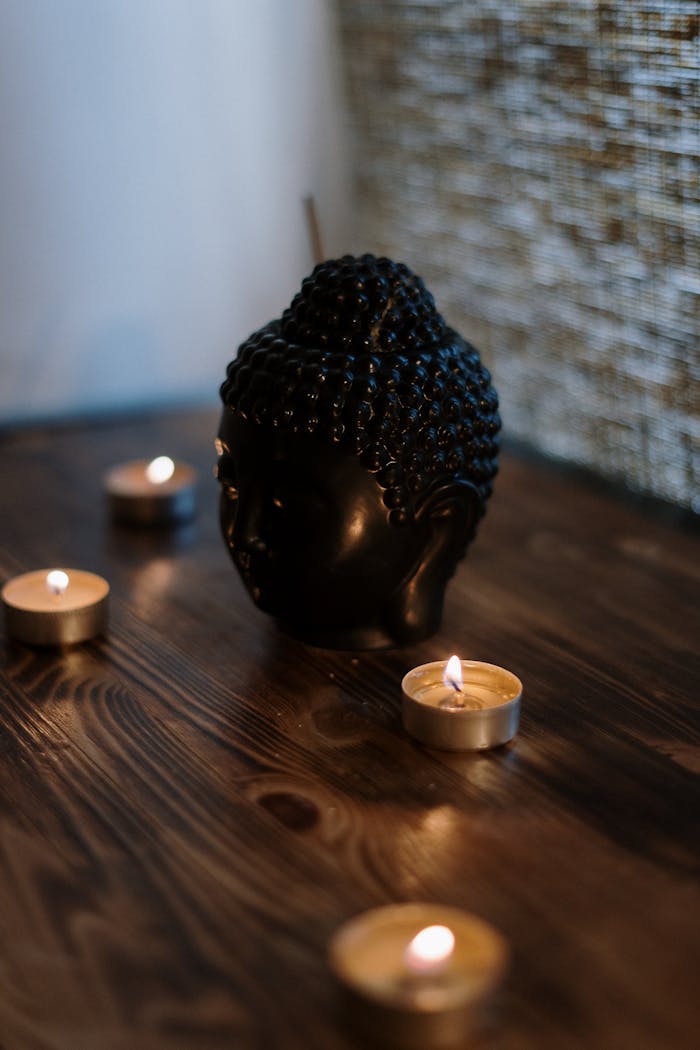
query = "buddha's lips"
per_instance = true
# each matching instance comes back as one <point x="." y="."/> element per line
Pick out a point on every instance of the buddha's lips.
<point x="254" y="570"/>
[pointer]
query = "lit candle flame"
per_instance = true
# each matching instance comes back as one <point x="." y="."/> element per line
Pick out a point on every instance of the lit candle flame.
<point x="56" y="581"/>
<point x="452" y="674"/>
<point x="430" y="950"/>
<point x="160" y="469"/>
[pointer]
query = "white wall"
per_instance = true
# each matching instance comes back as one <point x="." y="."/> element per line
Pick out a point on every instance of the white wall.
<point x="153" y="159"/>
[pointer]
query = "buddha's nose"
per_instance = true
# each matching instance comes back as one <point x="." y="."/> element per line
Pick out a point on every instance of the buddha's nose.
<point x="246" y="529"/>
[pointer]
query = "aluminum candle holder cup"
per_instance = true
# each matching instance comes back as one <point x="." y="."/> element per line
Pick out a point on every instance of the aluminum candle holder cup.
<point x="484" y="714"/>
<point x="436" y="1004"/>
<point x="135" y="499"/>
<point x="36" y="615"/>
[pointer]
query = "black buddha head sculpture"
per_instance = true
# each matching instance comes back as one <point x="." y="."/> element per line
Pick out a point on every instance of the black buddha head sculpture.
<point x="358" y="446"/>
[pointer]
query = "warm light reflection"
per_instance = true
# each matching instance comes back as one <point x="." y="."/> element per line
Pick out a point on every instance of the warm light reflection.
<point x="453" y="673"/>
<point x="56" y="581"/>
<point x="441" y="824"/>
<point x="151" y="585"/>
<point x="160" y="469"/>
<point x="429" y="950"/>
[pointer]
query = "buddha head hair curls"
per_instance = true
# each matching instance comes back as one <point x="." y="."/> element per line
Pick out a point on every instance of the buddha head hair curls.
<point x="362" y="358"/>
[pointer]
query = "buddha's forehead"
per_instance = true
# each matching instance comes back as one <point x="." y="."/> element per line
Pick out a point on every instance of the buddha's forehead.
<point x="259" y="448"/>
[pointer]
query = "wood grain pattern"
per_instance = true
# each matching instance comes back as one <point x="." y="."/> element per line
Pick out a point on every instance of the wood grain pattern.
<point x="191" y="806"/>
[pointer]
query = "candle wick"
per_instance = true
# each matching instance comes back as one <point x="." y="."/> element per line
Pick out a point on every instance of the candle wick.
<point x="462" y="699"/>
<point x="458" y="699"/>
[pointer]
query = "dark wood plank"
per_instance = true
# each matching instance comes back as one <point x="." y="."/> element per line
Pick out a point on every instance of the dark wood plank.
<point x="190" y="806"/>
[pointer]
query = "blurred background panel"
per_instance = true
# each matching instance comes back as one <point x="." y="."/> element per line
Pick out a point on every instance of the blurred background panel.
<point x="153" y="162"/>
<point x="537" y="162"/>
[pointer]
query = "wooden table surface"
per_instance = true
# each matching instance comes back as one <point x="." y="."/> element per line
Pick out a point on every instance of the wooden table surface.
<point x="191" y="806"/>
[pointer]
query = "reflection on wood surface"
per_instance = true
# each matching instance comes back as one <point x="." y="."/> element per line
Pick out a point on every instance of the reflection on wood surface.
<point x="191" y="806"/>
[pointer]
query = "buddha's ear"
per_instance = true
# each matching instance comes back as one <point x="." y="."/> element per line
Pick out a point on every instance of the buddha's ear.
<point x="446" y="517"/>
<point x="450" y="512"/>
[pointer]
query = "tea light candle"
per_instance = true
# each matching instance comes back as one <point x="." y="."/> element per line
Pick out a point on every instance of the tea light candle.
<point x="155" y="492"/>
<point x="417" y="974"/>
<point x="55" y="606"/>
<point x="461" y="705"/>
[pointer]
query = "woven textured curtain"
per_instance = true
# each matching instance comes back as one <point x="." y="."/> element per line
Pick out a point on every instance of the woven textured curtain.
<point x="537" y="163"/>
